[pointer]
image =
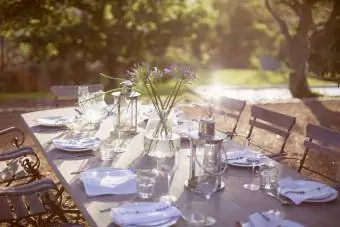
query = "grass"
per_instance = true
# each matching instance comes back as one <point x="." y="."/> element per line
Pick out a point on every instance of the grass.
<point x="241" y="77"/>
<point x="228" y="77"/>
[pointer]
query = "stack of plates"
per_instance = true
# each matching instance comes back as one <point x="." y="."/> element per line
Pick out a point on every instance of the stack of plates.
<point x="76" y="144"/>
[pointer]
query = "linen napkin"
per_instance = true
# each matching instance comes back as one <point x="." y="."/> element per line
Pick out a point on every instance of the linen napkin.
<point x="104" y="181"/>
<point x="54" y="120"/>
<point x="302" y="190"/>
<point x="72" y="143"/>
<point x="241" y="157"/>
<point x="267" y="219"/>
<point x="144" y="213"/>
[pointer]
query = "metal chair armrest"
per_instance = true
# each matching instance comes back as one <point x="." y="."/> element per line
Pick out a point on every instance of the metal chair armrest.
<point x="18" y="139"/>
<point x="19" y="152"/>
<point x="36" y="186"/>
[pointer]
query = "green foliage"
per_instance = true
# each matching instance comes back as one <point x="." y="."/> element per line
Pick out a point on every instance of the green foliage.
<point x="72" y="35"/>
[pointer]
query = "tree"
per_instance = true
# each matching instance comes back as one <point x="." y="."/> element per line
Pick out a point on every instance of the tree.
<point x="111" y="33"/>
<point x="297" y="29"/>
<point x="324" y="60"/>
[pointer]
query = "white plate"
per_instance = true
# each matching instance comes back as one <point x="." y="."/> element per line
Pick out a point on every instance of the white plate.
<point x="243" y="155"/>
<point x="54" y="121"/>
<point x="322" y="200"/>
<point x="145" y="206"/>
<point x="73" y="145"/>
<point x="324" y="196"/>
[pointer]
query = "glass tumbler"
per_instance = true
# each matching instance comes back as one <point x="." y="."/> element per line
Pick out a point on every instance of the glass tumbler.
<point x="268" y="175"/>
<point x="146" y="181"/>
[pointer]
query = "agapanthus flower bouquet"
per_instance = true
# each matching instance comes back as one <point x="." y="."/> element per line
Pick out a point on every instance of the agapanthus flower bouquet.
<point x="151" y="78"/>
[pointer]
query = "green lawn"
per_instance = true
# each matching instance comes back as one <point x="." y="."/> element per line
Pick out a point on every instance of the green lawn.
<point x="232" y="77"/>
<point x="235" y="77"/>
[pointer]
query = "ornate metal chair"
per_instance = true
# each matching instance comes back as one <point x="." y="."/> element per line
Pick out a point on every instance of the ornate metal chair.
<point x="12" y="136"/>
<point x="325" y="144"/>
<point x="32" y="204"/>
<point x="17" y="163"/>
<point x="276" y="124"/>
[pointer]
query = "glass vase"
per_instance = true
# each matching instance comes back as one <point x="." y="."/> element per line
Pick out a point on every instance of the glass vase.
<point x="159" y="140"/>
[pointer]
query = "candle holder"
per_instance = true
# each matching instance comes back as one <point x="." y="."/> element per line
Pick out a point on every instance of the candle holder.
<point x="206" y="154"/>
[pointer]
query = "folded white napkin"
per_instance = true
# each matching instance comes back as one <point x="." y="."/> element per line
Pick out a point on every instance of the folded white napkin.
<point x="266" y="219"/>
<point x="54" y="120"/>
<point x="82" y="143"/>
<point x="144" y="213"/>
<point x="241" y="157"/>
<point x="104" y="181"/>
<point x="302" y="190"/>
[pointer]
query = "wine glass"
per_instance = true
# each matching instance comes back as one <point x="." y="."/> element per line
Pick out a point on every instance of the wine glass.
<point x="253" y="158"/>
<point x="83" y="92"/>
<point x="169" y="175"/>
<point x="120" y="146"/>
<point x="207" y="185"/>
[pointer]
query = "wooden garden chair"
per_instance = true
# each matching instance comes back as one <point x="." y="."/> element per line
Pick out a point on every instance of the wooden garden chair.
<point x="69" y="93"/>
<point x="32" y="204"/>
<point x="231" y="109"/>
<point x="321" y="141"/>
<point x="270" y="122"/>
<point x="17" y="164"/>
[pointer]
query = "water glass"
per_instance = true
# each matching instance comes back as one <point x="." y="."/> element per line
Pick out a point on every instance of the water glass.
<point x="83" y="92"/>
<point x="107" y="151"/>
<point x="268" y="175"/>
<point x="146" y="180"/>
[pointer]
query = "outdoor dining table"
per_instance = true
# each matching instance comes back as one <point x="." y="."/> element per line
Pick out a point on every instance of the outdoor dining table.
<point x="228" y="206"/>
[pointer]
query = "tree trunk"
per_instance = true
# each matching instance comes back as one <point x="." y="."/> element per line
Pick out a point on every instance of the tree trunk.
<point x="297" y="56"/>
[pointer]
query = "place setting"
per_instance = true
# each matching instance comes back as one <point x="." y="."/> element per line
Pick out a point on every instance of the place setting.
<point x="305" y="191"/>
<point x="52" y="124"/>
<point x="76" y="145"/>
<point x="138" y="184"/>
<point x="245" y="158"/>
<point x="270" y="218"/>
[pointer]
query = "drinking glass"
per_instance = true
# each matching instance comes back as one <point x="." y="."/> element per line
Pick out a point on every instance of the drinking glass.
<point x="146" y="180"/>
<point x="170" y="166"/>
<point x="254" y="159"/>
<point x="95" y="110"/>
<point x="83" y="92"/>
<point x="268" y="175"/>
<point x="120" y="146"/>
<point x="207" y="185"/>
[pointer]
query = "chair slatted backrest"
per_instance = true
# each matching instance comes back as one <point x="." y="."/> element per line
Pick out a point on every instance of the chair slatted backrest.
<point x="320" y="140"/>
<point x="272" y="122"/>
<point x="232" y="108"/>
<point x="70" y="92"/>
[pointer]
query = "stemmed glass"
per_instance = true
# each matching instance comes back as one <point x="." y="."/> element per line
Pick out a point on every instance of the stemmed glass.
<point x="169" y="174"/>
<point x="120" y="147"/>
<point x="207" y="185"/>
<point x="83" y="92"/>
<point x="253" y="158"/>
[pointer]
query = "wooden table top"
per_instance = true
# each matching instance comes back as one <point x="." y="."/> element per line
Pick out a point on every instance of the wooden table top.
<point x="228" y="206"/>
